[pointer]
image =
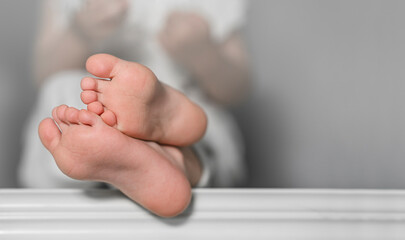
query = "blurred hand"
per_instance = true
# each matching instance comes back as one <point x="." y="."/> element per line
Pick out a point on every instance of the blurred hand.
<point x="185" y="35"/>
<point x="98" y="19"/>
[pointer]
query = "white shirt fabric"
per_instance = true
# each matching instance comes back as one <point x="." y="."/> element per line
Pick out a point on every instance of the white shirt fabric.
<point x="221" y="150"/>
<point x="136" y="40"/>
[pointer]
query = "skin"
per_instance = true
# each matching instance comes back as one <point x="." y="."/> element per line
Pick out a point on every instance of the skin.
<point x="85" y="148"/>
<point x="139" y="105"/>
<point x="80" y="148"/>
<point x="97" y="145"/>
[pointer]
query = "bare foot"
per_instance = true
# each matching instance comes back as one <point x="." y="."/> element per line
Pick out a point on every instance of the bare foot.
<point x="86" y="148"/>
<point x="139" y="105"/>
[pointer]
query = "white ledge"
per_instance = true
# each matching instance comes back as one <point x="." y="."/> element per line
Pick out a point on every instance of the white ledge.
<point x="214" y="213"/>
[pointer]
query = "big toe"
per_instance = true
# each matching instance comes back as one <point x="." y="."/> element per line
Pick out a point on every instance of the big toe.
<point x="107" y="66"/>
<point x="49" y="134"/>
<point x="101" y="65"/>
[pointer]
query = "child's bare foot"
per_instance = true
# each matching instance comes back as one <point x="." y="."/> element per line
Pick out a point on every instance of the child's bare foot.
<point x="86" y="148"/>
<point x="139" y="105"/>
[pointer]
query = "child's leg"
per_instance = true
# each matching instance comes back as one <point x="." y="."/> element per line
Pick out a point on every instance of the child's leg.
<point x="138" y="104"/>
<point x="86" y="148"/>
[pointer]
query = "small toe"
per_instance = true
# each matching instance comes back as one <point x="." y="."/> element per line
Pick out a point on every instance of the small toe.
<point x="109" y="117"/>
<point x="87" y="117"/>
<point x="56" y="118"/>
<point x="60" y="113"/>
<point x="92" y="84"/>
<point x="49" y="134"/>
<point x="72" y="115"/>
<point x="88" y="83"/>
<point x="88" y="96"/>
<point x="96" y="107"/>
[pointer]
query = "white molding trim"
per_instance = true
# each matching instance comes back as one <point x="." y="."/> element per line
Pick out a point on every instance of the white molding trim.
<point x="214" y="213"/>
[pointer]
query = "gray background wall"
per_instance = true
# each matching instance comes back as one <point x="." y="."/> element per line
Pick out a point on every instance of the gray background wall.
<point x="17" y="27"/>
<point x="327" y="109"/>
<point x="327" y="101"/>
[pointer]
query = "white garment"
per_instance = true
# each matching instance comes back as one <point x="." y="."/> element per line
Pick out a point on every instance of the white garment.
<point x="136" y="40"/>
<point x="221" y="149"/>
